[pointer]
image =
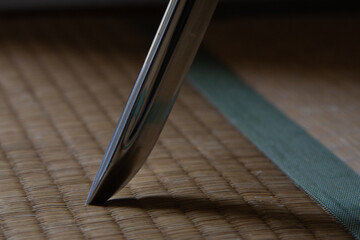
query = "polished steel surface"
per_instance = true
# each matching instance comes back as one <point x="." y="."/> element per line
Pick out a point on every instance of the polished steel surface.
<point x="168" y="61"/>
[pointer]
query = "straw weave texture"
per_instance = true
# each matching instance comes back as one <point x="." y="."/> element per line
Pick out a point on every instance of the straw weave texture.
<point x="63" y="84"/>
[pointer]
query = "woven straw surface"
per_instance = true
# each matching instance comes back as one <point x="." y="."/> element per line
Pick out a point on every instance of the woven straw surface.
<point x="63" y="84"/>
<point x="307" y="66"/>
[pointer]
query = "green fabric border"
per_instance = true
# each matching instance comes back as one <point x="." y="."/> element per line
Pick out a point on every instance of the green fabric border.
<point x="305" y="160"/>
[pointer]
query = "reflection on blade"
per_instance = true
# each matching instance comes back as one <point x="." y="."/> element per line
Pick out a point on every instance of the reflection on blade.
<point x="171" y="54"/>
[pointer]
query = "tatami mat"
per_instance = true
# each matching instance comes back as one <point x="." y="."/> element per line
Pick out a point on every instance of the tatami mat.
<point x="63" y="84"/>
<point x="306" y="65"/>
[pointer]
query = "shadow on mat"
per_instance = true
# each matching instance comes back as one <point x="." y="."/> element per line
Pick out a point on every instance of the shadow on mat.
<point x="234" y="209"/>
